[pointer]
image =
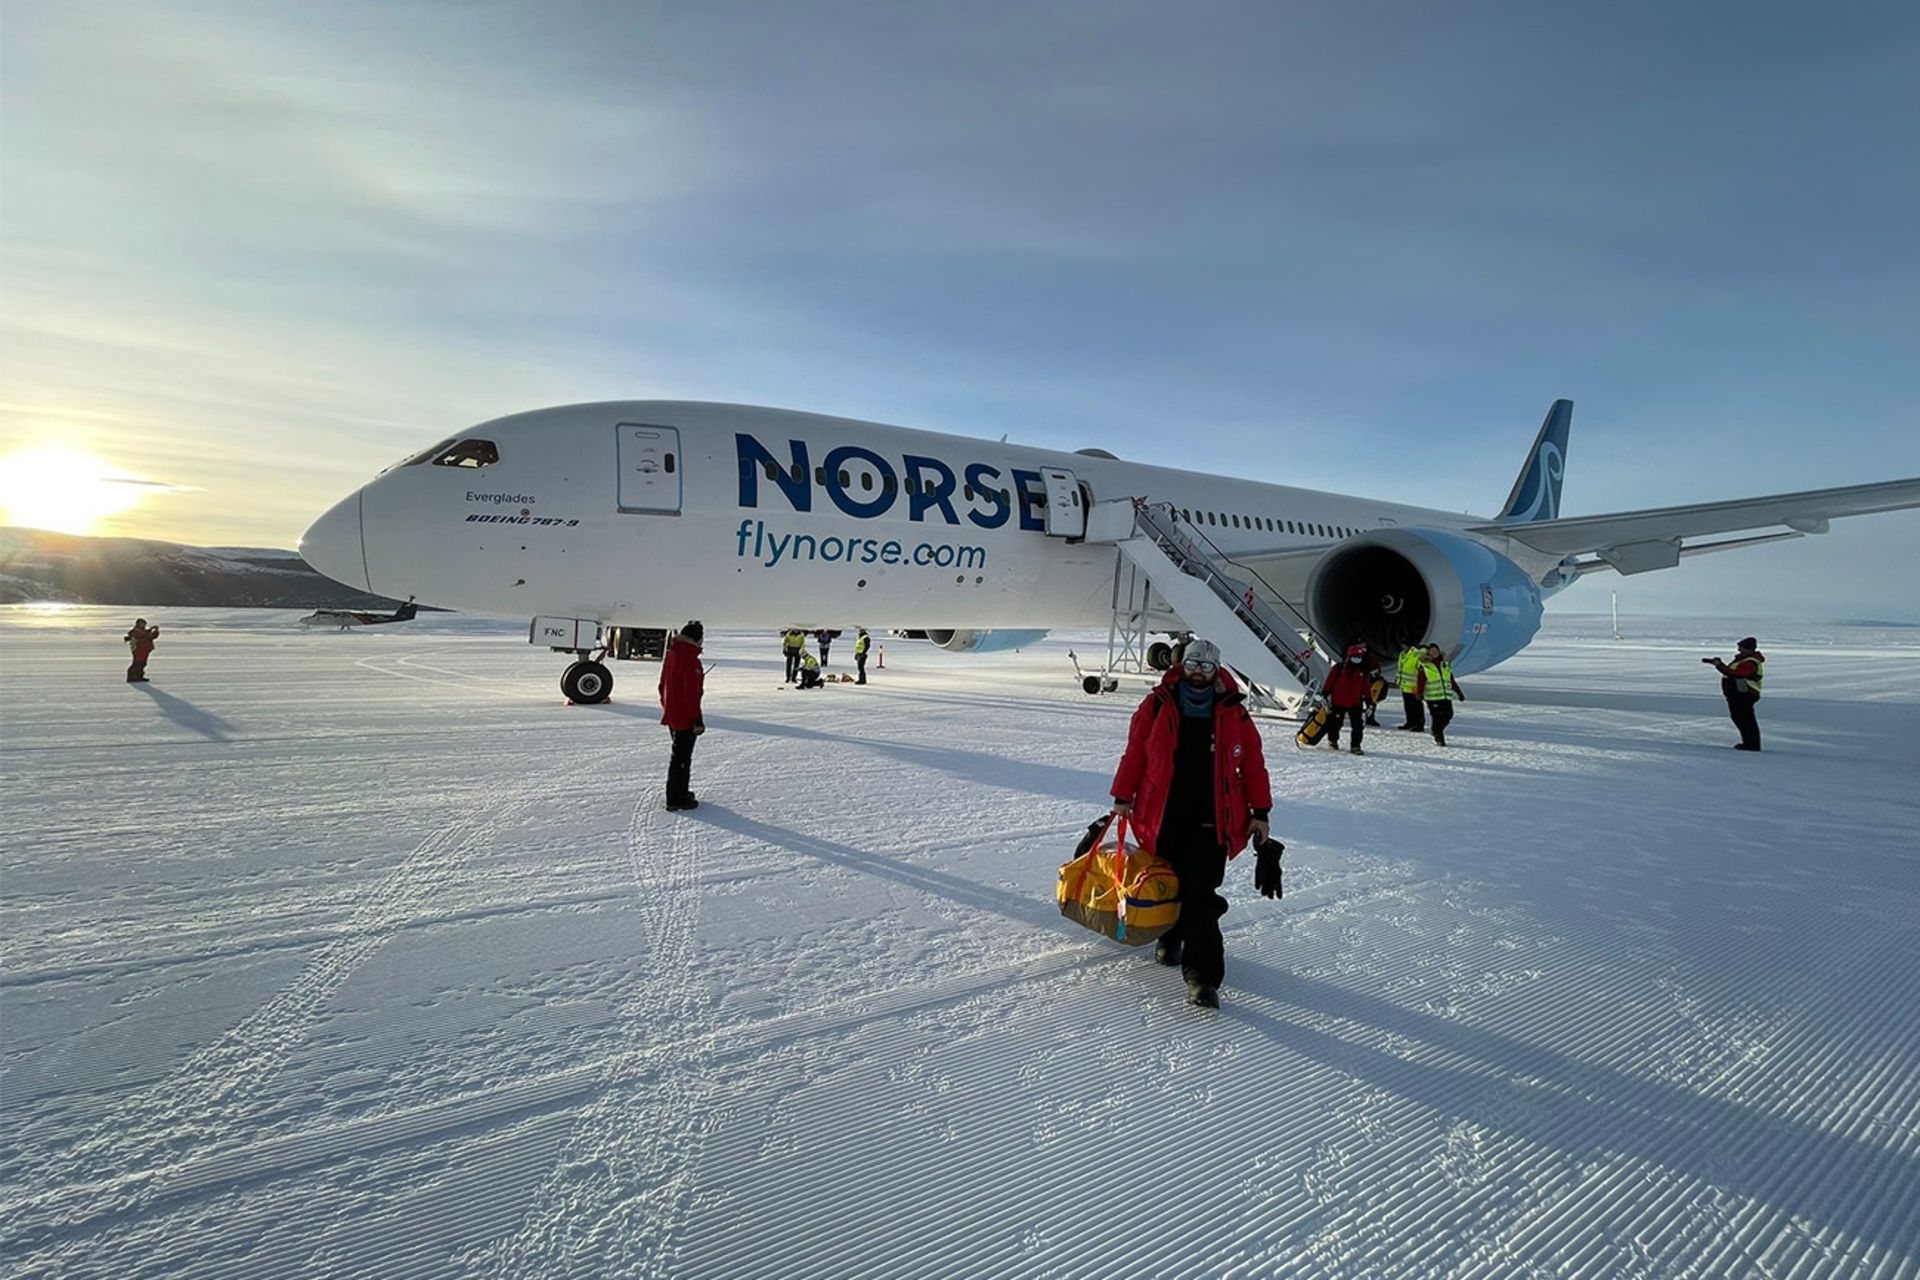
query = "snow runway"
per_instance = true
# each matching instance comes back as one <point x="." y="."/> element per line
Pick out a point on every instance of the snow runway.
<point x="363" y="954"/>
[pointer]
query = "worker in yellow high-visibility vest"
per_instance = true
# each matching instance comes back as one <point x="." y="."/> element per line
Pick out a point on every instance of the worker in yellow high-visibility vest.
<point x="1740" y="682"/>
<point x="1409" y="695"/>
<point x="791" y="645"/>
<point x="1439" y="690"/>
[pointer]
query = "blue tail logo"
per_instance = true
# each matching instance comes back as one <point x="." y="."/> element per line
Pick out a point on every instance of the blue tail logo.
<point x="1536" y="490"/>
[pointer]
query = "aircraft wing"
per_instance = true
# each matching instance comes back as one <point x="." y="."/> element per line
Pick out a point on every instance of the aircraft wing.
<point x="1636" y="541"/>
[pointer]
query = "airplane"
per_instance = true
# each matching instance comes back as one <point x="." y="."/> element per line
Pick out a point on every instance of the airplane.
<point x="347" y="619"/>
<point x="608" y="523"/>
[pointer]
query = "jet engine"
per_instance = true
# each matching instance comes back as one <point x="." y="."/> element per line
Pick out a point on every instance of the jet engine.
<point x="983" y="641"/>
<point x="1391" y="587"/>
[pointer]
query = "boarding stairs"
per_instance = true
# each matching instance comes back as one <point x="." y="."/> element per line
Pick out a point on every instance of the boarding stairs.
<point x="1260" y="636"/>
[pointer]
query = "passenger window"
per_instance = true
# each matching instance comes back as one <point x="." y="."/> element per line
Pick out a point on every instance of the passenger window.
<point x="820" y="476"/>
<point x="799" y="474"/>
<point x="773" y="472"/>
<point x="669" y="464"/>
<point x="866" y="481"/>
<point x="967" y="493"/>
<point x="846" y="481"/>
<point x="469" y="453"/>
<point x="889" y="484"/>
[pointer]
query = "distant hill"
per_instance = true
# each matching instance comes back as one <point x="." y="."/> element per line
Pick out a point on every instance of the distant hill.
<point x="37" y="565"/>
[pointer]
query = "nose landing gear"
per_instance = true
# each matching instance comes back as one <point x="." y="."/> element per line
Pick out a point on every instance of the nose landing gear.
<point x="587" y="682"/>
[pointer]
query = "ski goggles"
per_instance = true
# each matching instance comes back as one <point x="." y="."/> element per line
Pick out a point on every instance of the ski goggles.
<point x="1201" y="667"/>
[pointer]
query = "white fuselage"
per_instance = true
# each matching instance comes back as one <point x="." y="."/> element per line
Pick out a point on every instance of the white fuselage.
<point x="647" y="513"/>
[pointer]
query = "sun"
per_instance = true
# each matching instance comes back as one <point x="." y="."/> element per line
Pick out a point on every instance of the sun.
<point x="64" y="490"/>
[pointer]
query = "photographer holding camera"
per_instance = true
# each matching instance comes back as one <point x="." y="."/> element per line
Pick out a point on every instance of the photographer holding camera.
<point x="1740" y="682"/>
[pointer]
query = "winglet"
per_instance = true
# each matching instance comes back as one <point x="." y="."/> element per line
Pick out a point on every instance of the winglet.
<point x="1536" y="490"/>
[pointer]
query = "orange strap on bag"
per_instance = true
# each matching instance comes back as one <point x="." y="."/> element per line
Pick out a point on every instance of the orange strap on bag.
<point x="1120" y="877"/>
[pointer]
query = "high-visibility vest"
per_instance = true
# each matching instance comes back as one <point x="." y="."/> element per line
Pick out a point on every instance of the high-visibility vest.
<point x="1750" y="684"/>
<point x="1409" y="668"/>
<point x="794" y="639"/>
<point x="1439" y="680"/>
<point x="860" y="645"/>
<point x="808" y="661"/>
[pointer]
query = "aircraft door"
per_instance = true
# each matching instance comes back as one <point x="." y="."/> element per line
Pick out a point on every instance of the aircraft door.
<point x="648" y="460"/>
<point x="1066" y="514"/>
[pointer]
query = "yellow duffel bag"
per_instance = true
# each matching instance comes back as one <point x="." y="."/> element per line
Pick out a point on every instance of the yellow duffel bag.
<point x="1315" y="727"/>
<point x="1127" y="894"/>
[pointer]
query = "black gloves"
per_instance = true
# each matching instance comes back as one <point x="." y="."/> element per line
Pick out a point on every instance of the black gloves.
<point x="1266" y="867"/>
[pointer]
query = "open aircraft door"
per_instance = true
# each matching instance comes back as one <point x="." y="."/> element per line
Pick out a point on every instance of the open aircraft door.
<point x="1066" y="512"/>
<point x="648" y="459"/>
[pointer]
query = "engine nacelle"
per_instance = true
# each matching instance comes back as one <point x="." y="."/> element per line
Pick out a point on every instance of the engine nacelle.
<point x="983" y="641"/>
<point x="1391" y="587"/>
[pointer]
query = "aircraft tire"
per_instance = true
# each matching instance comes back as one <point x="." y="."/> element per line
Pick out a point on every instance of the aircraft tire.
<point x="1091" y="684"/>
<point x="1160" y="655"/>
<point x="587" y="683"/>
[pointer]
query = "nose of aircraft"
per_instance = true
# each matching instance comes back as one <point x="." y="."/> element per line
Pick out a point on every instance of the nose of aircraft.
<point x="334" y="544"/>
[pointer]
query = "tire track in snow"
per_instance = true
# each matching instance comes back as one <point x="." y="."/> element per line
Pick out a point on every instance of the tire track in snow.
<point x="616" y="1201"/>
<point x="109" y="1174"/>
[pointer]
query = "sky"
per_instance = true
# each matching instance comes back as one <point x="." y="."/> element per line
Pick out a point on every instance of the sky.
<point x="251" y="253"/>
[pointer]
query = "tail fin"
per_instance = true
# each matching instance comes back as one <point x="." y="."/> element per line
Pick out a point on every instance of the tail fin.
<point x="1536" y="490"/>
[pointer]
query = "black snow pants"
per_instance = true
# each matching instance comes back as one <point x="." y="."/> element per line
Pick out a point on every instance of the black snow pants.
<point x="680" y="766"/>
<point x="860" y="661"/>
<point x="793" y="664"/>
<point x="1416" y="711"/>
<point x="1356" y="716"/>
<point x="1740" y="709"/>
<point x="1442" y="712"/>
<point x="1201" y="863"/>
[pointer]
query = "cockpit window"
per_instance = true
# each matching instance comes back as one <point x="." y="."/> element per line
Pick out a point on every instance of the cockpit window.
<point x="425" y="454"/>
<point x="468" y="453"/>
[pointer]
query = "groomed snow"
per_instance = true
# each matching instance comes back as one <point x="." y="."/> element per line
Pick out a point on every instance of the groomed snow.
<point x="358" y="954"/>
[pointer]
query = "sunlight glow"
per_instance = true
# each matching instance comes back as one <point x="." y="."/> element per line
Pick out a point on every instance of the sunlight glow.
<point x="52" y="487"/>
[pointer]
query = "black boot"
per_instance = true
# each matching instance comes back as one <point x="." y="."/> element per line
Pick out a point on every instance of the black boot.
<point x="1167" y="951"/>
<point x="1202" y="996"/>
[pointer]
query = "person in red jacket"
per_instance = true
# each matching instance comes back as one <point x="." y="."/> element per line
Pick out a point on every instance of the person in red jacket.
<point x="1740" y="681"/>
<point x="1349" y="690"/>
<point x="1193" y="785"/>
<point x="681" y="680"/>
<point x="140" y="640"/>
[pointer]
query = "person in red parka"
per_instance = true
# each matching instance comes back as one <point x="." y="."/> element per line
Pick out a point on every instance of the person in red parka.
<point x="681" y="680"/>
<point x="1193" y="784"/>
<point x="140" y="640"/>
<point x="1349" y="690"/>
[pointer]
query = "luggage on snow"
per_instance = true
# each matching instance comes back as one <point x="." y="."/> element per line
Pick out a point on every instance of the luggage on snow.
<point x="1315" y="727"/>
<point x="1125" y="893"/>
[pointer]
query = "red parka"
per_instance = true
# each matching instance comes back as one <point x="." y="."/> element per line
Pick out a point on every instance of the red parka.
<point x="1240" y="783"/>
<point x="681" y="681"/>
<point x="1348" y="685"/>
